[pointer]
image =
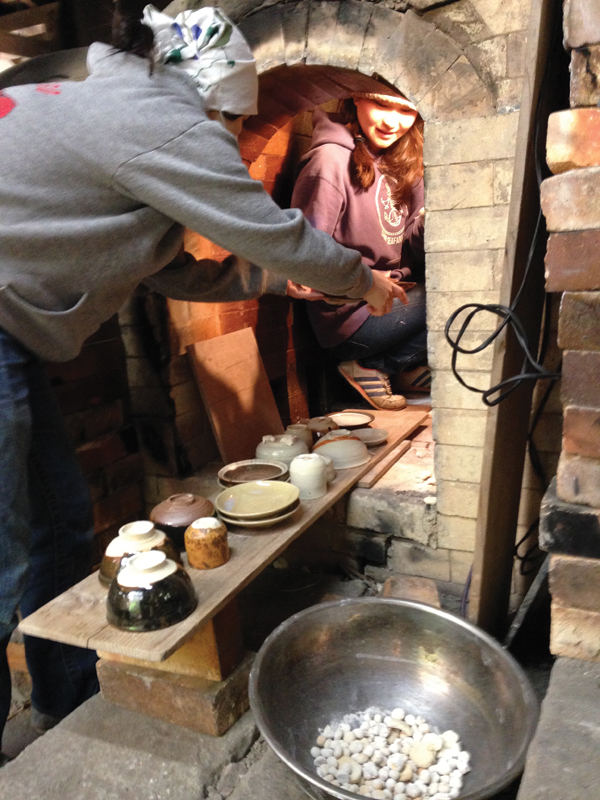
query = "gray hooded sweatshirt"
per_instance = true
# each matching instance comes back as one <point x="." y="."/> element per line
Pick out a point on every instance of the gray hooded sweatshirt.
<point x="97" y="181"/>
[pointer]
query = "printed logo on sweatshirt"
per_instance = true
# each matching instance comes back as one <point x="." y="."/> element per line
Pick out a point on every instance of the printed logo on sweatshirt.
<point x="48" y="88"/>
<point x="390" y="219"/>
<point x="6" y="105"/>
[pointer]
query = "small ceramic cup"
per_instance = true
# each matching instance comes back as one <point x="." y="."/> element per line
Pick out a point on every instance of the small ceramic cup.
<point x="307" y="472"/>
<point x="330" y="472"/>
<point x="206" y="543"/>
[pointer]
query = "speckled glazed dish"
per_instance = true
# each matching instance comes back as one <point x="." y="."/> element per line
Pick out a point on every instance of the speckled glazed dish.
<point x="252" y="470"/>
<point x="150" y="592"/>
<point x="260" y="523"/>
<point x="257" y="500"/>
<point x="134" y="537"/>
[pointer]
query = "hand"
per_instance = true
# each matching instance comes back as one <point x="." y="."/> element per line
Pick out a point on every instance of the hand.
<point x="300" y="292"/>
<point x="380" y="296"/>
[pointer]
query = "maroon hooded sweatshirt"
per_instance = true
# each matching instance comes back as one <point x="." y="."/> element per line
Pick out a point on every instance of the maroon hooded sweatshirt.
<point x="364" y="220"/>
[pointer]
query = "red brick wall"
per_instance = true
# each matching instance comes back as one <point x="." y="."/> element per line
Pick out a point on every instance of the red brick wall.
<point x="93" y="396"/>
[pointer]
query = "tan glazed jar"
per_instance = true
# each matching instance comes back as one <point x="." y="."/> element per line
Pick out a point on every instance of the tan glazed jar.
<point x="206" y="543"/>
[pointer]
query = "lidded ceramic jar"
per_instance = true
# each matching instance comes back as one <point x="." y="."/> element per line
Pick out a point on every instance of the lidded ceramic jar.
<point x="149" y="592"/>
<point x="322" y="425"/>
<point x="206" y="543"/>
<point x="134" y="537"/>
<point x="282" y="447"/>
<point x="177" y="512"/>
<point x="300" y="429"/>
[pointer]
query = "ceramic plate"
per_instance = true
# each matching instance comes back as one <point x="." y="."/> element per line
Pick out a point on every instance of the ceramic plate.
<point x="371" y="436"/>
<point x="257" y="499"/>
<point x="257" y="523"/>
<point x="252" y="470"/>
<point x="352" y="419"/>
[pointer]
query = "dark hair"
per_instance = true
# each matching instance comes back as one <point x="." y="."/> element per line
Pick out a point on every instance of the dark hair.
<point x="129" y="34"/>
<point x="402" y="161"/>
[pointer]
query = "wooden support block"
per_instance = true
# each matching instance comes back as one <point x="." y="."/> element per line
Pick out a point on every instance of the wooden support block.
<point x="204" y="706"/>
<point x="213" y="652"/>
<point x="380" y="469"/>
<point x="408" y="587"/>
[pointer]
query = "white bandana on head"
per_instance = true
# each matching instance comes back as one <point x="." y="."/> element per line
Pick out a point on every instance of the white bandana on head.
<point x="207" y="46"/>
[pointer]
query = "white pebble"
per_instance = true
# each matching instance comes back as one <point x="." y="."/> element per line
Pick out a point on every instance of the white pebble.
<point x="349" y="736"/>
<point x="338" y="734"/>
<point x="424" y="776"/>
<point x="344" y="727"/>
<point x="321" y="740"/>
<point x="409" y="719"/>
<point x="377" y="794"/>
<point x="356" y="747"/>
<point x="320" y="760"/>
<point x="326" y="752"/>
<point x="315" y="752"/>
<point x="337" y="749"/>
<point x="333" y="762"/>
<point x="397" y="713"/>
<point x="450" y="738"/>
<point x="377" y="718"/>
<point x="443" y="767"/>
<point x="361" y="758"/>
<point x="384" y="773"/>
<point x="390" y="783"/>
<point x="394" y="775"/>
<point x="368" y="750"/>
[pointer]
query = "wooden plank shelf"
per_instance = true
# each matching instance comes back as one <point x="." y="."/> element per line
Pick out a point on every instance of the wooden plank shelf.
<point x="78" y="616"/>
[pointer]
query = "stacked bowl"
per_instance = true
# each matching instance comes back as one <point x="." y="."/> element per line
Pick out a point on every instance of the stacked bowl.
<point x="257" y="504"/>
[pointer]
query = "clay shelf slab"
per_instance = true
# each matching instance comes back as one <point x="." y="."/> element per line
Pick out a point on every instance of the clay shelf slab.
<point x="78" y="616"/>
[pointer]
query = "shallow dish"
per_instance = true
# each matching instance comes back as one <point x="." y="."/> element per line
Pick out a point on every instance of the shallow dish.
<point x="351" y="419"/>
<point x="258" y="523"/>
<point x="150" y="592"/>
<point x="371" y="436"/>
<point x="252" y="470"/>
<point x="257" y="499"/>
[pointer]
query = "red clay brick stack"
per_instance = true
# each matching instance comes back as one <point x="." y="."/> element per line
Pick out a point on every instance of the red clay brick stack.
<point x="570" y="528"/>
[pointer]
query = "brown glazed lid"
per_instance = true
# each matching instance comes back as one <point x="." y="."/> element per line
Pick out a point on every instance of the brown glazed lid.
<point x="180" y="510"/>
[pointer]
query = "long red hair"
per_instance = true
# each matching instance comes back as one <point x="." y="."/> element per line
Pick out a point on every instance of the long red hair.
<point x="402" y="161"/>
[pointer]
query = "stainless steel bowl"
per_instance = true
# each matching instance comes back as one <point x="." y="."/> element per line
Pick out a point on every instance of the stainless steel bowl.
<point x="345" y="656"/>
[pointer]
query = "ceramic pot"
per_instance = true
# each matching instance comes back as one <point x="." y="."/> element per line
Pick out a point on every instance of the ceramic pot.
<point x="206" y="543"/>
<point x="321" y="425"/>
<point x="177" y="512"/>
<point x="300" y="429"/>
<point x="307" y="473"/>
<point x="283" y="447"/>
<point x="149" y="592"/>
<point x="134" y="537"/>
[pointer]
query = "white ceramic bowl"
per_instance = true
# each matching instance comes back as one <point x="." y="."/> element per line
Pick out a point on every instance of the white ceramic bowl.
<point x="371" y="436"/>
<point x="343" y="448"/>
<point x="256" y="500"/>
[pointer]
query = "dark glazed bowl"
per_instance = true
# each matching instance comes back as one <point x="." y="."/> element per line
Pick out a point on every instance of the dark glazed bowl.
<point x="150" y="605"/>
<point x="345" y="656"/>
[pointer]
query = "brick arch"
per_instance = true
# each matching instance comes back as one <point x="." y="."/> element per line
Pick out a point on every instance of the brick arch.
<point x="309" y="52"/>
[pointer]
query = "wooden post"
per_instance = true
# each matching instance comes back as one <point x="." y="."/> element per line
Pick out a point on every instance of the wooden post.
<point x="508" y="422"/>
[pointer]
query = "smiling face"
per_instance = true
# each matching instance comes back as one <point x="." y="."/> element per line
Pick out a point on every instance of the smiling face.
<point x="383" y="122"/>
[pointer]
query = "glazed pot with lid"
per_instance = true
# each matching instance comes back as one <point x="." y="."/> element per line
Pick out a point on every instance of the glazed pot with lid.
<point x="134" y="537"/>
<point x="177" y="513"/>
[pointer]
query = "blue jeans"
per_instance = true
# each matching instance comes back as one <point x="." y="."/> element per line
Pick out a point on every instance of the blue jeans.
<point x="46" y="529"/>
<point x="392" y="343"/>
